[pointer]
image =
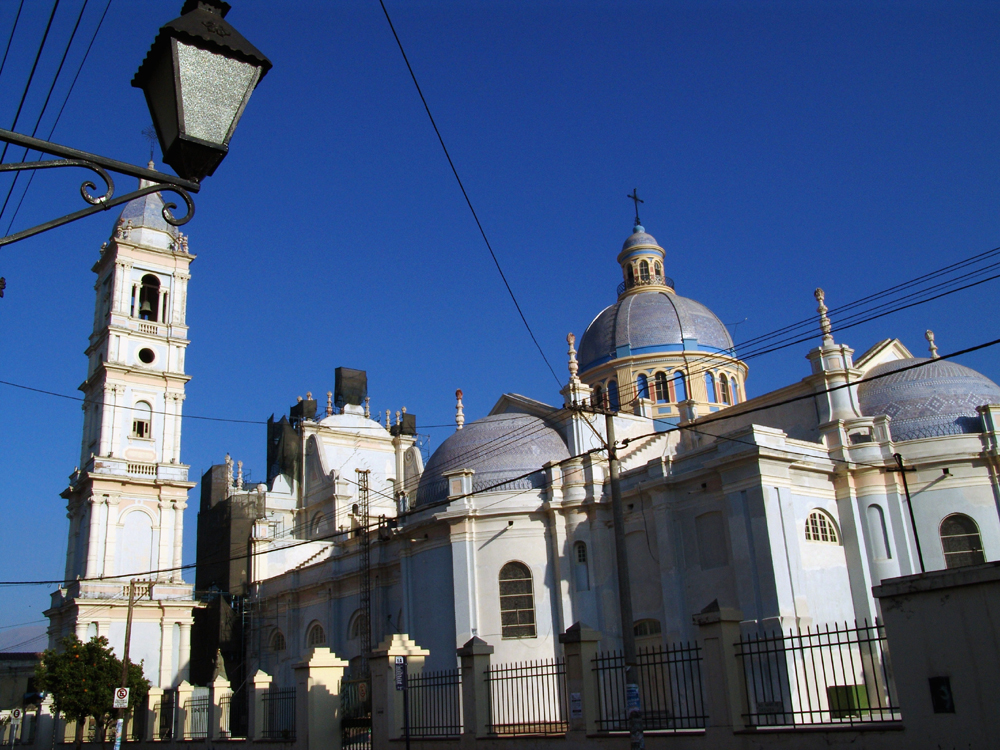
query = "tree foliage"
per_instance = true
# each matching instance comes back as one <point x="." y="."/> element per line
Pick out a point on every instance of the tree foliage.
<point x="82" y="678"/>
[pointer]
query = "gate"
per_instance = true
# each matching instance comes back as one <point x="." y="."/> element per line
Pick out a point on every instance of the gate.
<point x="356" y="713"/>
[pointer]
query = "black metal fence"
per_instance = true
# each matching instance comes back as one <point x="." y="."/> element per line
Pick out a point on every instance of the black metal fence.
<point x="279" y="714"/>
<point x="528" y="697"/>
<point x="165" y="710"/>
<point x="196" y="718"/>
<point x="435" y="700"/>
<point x="356" y="713"/>
<point x="823" y="676"/>
<point x="233" y="718"/>
<point x="137" y="723"/>
<point x="670" y="688"/>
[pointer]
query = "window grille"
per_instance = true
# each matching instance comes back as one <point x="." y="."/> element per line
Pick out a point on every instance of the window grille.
<point x="961" y="541"/>
<point x="820" y="528"/>
<point x="316" y="636"/>
<point x="643" y="628"/>
<point x="517" y="603"/>
<point x="278" y="641"/>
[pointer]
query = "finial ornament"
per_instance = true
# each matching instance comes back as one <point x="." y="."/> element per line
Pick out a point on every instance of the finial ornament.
<point x="329" y="403"/>
<point x="929" y="335"/>
<point x="239" y="476"/>
<point x="459" y="412"/>
<point x="636" y="200"/>
<point x="573" y="365"/>
<point x="824" y="321"/>
<point x="387" y="422"/>
<point x="309" y="395"/>
<point x="397" y="416"/>
<point x="368" y="413"/>
<point x="229" y="472"/>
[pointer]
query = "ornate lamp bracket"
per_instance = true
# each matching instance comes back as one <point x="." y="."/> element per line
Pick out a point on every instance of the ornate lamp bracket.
<point x="101" y="166"/>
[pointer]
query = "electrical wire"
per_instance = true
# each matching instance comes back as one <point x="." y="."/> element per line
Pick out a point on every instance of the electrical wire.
<point x="465" y="194"/>
<point x="13" y="30"/>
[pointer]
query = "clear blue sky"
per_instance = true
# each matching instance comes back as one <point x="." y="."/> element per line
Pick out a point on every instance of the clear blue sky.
<point x="779" y="146"/>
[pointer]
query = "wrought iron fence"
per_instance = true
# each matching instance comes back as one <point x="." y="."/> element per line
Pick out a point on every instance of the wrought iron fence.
<point x="670" y="688"/>
<point x="137" y="724"/>
<point x="165" y="710"/>
<point x="233" y="716"/>
<point x="528" y="697"/>
<point x="196" y="718"/>
<point x="279" y="714"/>
<point x="435" y="700"/>
<point x="823" y="676"/>
<point x="356" y="713"/>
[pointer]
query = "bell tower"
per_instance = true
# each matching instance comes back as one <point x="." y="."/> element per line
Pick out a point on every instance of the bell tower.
<point x="126" y="500"/>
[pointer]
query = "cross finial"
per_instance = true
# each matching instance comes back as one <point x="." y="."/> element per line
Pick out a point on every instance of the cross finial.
<point x="636" y="200"/>
<point x="824" y="321"/>
<point x="929" y="335"/>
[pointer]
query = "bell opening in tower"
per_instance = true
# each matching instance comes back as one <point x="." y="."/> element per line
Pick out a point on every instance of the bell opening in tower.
<point x="149" y="298"/>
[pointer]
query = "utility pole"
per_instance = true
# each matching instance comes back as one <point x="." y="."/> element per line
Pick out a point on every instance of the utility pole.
<point x="632" y="702"/>
<point x="128" y="637"/>
<point x="901" y="470"/>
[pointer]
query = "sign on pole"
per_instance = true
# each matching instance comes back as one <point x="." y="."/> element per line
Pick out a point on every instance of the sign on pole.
<point x="400" y="673"/>
<point x="16" y="716"/>
<point x="121" y="698"/>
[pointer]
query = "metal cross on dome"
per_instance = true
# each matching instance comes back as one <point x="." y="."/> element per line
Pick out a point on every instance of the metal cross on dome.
<point x="637" y="200"/>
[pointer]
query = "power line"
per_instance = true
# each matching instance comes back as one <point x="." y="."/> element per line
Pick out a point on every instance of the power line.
<point x="10" y="39"/>
<point x="465" y="194"/>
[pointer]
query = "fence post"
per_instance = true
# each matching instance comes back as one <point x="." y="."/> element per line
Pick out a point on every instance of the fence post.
<point x="182" y="716"/>
<point x="475" y="660"/>
<point x="317" y="700"/>
<point x="216" y="690"/>
<point x="387" y="702"/>
<point x="725" y="687"/>
<point x="153" y="699"/>
<point x="261" y="682"/>
<point x="580" y="646"/>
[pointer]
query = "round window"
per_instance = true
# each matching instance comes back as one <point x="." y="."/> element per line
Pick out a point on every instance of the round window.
<point x="146" y="356"/>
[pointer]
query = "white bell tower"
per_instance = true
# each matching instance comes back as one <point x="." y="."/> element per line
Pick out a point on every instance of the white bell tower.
<point x="126" y="501"/>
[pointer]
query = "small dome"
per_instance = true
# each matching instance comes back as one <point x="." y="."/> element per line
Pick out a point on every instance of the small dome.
<point x="147" y="211"/>
<point x="651" y="321"/>
<point x="639" y="237"/>
<point x="939" y="398"/>
<point x="499" y="448"/>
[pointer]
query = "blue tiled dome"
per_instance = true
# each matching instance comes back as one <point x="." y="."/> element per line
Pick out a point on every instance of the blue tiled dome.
<point x="639" y="237"/>
<point x="939" y="398"/>
<point x="498" y="448"/>
<point x="651" y="321"/>
<point x="147" y="211"/>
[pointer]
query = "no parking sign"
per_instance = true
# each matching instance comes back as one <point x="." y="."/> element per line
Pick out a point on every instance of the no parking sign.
<point x="121" y="698"/>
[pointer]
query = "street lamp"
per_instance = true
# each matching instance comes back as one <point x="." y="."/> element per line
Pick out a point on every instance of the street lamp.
<point x="197" y="78"/>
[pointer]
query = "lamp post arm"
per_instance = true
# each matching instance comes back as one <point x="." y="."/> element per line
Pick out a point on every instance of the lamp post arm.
<point x="101" y="166"/>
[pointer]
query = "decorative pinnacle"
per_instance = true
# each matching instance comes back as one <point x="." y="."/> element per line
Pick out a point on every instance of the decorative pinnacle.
<point x="309" y="395"/>
<point x="573" y="365"/>
<point x="929" y="335"/>
<point x="329" y="403"/>
<point x="459" y="413"/>
<point x="824" y="321"/>
<point x="368" y="412"/>
<point x="387" y="424"/>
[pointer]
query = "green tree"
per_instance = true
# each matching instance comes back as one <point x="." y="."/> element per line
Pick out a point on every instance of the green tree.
<point x="82" y="678"/>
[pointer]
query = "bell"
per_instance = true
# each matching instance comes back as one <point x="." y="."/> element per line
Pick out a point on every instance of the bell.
<point x="145" y="308"/>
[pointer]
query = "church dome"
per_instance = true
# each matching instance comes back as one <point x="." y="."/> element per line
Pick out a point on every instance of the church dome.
<point x="146" y="211"/>
<point x="652" y="321"/>
<point x="939" y="398"/>
<point x="499" y="448"/>
<point x="639" y="238"/>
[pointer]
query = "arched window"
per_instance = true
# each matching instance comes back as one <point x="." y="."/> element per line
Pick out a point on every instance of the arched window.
<point x="657" y="270"/>
<point x="517" y="602"/>
<point x="821" y="528"/>
<point x="710" y="387"/>
<point x="613" y="401"/>
<point x="316" y="636"/>
<point x="149" y="298"/>
<point x="679" y="386"/>
<point x="724" y="388"/>
<point x="358" y="624"/>
<point x="580" y="569"/>
<point x="642" y="386"/>
<point x="317" y="529"/>
<point x="660" y="387"/>
<point x="598" y="397"/>
<point x="142" y="420"/>
<point x="647" y="627"/>
<point x="961" y="541"/>
<point x="277" y="641"/>
<point x="630" y="276"/>
<point x="735" y="389"/>
<point x="644" y="270"/>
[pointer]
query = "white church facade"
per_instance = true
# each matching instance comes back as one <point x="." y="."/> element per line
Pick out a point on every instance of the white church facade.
<point x="126" y="499"/>
<point x="788" y="507"/>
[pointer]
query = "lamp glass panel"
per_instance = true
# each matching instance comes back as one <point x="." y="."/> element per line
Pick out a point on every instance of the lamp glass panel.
<point x="214" y="91"/>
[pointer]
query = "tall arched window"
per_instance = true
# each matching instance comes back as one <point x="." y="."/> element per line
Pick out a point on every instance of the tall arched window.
<point x="277" y="641"/>
<point x="735" y="389"/>
<point x="149" y="298"/>
<point x="317" y="528"/>
<point x="644" y="270"/>
<point x="710" y="387"/>
<point x="642" y="386"/>
<point x="613" y="401"/>
<point x="142" y="420"/>
<point x="316" y="636"/>
<point x="580" y="569"/>
<point x="724" y="388"/>
<point x="660" y="387"/>
<point x="358" y="624"/>
<point x="630" y="275"/>
<point x="517" y="602"/>
<point x="961" y="542"/>
<point x="680" y="387"/>
<point x="598" y="397"/>
<point x="657" y="270"/>
<point x="821" y="528"/>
